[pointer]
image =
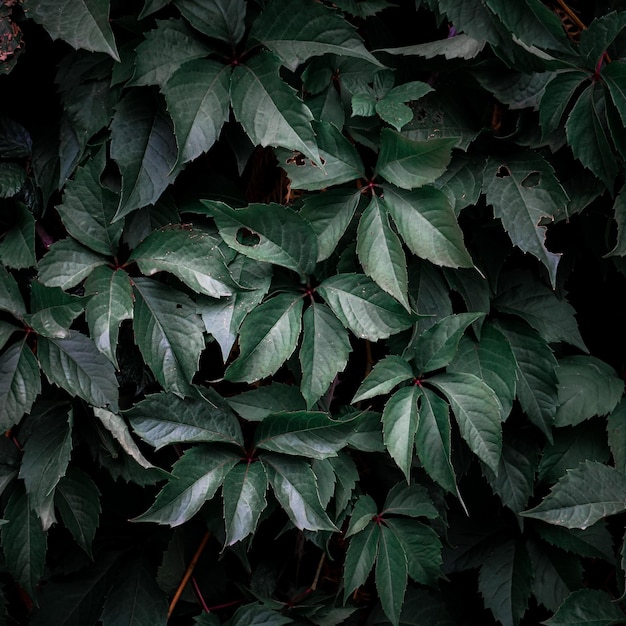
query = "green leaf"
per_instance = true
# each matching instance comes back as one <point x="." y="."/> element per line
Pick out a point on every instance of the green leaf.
<point x="135" y="598"/>
<point x="385" y="375"/>
<point x="53" y="310"/>
<point x="295" y="487"/>
<point x="340" y="158"/>
<point x="197" y="97"/>
<point x="587" y="134"/>
<point x="436" y="347"/>
<point x="360" y="557"/>
<point x="221" y="19"/>
<point x="456" y="47"/>
<point x="110" y="304"/>
<point x="587" y="387"/>
<point x="7" y="328"/>
<point x="400" y="420"/>
<point x="20" y="383"/>
<point x="363" y="513"/>
<point x="269" y="110"/>
<point x="462" y="181"/>
<point x="410" y="500"/>
<point x="363" y="307"/>
<point x="422" y="547"/>
<point x="67" y="263"/>
<point x="244" y="500"/>
<point x="168" y="332"/>
<point x="591" y="607"/>
<point x="144" y="147"/>
<point x="196" y="477"/>
<point x="433" y="440"/>
<point x="74" y="364"/>
<point x="323" y="353"/>
<point x="83" y="24"/>
<point x="583" y="496"/>
<point x="410" y="164"/>
<point x="165" y="49"/>
<point x="599" y="35"/>
<point x="614" y="75"/>
<point x="594" y="542"/>
<point x="297" y="30"/>
<point x="258" y="615"/>
<point x="267" y="338"/>
<point x="17" y="247"/>
<point x="523" y="191"/>
<point x="329" y="215"/>
<point x="255" y="405"/>
<point x="619" y="207"/>
<point x="557" y="98"/>
<point x="11" y="299"/>
<point x="46" y="457"/>
<point x="162" y="419"/>
<point x="391" y="574"/>
<point x="492" y="360"/>
<point x="427" y="224"/>
<point x="477" y="411"/>
<point x="24" y="542"/>
<point x="535" y="302"/>
<point x="392" y="107"/>
<point x="536" y="374"/>
<point x="505" y="582"/>
<point x="380" y="252"/>
<point x="267" y="232"/>
<point x="616" y="430"/>
<point x="88" y="208"/>
<point x="191" y="254"/>
<point x="78" y="501"/>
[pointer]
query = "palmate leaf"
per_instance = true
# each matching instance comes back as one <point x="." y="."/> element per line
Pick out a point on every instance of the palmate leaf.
<point x="295" y="486"/>
<point x="391" y="573"/>
<point x="385" y="375"/>
<point x="267" y="338"/>
<point x="363" y="513"/>
<point x="20" y="383"/>
<point x="523" y="191"/>
<point x="168" y="332"/>
<point x="410" y="164"/>
<point x="400" y="420"/>
<point x="220" y="19"/>
<point x="110" y="304"/>
<point x="360" y="558"/>
<point x="197" y="97"/>
<point x="599" y="35"/>
<point x="82" y="24"/>
<point x="363" y="307"/>
<point x="324" y="351"/>
<point x="591" y="607"/>
<point x="297" y="30"/>
<point x="267" y="232"/>
<point x="269" y="110"/>
<point x="196" y="477"/>
<point x="583" y="496"/>
<point x="427" y="224"/>
<point x="477" y="411"/>
<point x="380" y="252"/>
<point x="74" y="364"/>
<point x="244" y="500"/>
<point x="191" y="254"/>
<point x="144" y="147"/>
<point x="311" y="434"/>
<point x="164" y="418"/>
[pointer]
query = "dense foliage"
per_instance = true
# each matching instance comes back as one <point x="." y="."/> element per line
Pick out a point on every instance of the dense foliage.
<point x="309" y="312"/>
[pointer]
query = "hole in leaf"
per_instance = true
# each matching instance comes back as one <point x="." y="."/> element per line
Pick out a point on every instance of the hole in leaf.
<point x="503" y="172"/>
<point x="297" y="159"/>
<point x="179" y="306"/>
<point x="247" y="238"/>
<point x="532" y="180"/>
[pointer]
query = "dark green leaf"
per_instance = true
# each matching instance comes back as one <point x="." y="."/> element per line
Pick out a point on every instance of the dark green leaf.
<point x="587" y="606"/>
<point x="386" y="374"/>
<point x="616" y="430"/>
<point x="557" y="98"/>
<point x="391" y="573"/>
<point x="20" y="383"/>
<point x="17" y="247"/>
<point x="10" y="296"/>
<point x="255" y="405"/>
<point x="614" y="75"/>
<point x="599" y="35"/>
<point x="196" y="477"/>
<point x="594" y="542"/>
<point x="364" y="512"/>
<point x="258" y="615"/>
<point x="221" y="19"/>
<point x="360" y="557"/>
<point x="53" y="310"/>
<point x="410" y="500"/>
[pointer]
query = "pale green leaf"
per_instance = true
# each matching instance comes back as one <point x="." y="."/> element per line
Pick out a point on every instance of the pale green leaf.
<point x="477" y="411"/>
<point x="20" y="383"/>
<point x="82" y="24"/>
<point x="267" y="338"/>
<point x="196" y="477"/>
<point x="244" y="500"/>
<point x="380" y="252"/>
<point x="391" y="573"/>
<point x="67" y="263"/>
<point x="363" y="307"/>
<point x="110" y="304"/>
<point x="295" y="487"/>
<point x="591" y="607"/>
<point x="459" y="46"/>
<point x="220" y="19"/>
<point x="74" y="364"/>
<point x="269" y="110"/>
<point x="385" y="375"/>
<point x="360" y="557"/>
<point x="583" y="496"/>
<point x="400" y="420"/>
<point x="297" y="30"/>
<point x="427" y="224"/>
<point x="168" y="332"/>
<point x="323" y="353"/>
<point x="410" y="164"/>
